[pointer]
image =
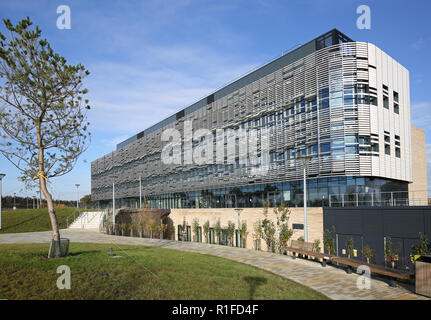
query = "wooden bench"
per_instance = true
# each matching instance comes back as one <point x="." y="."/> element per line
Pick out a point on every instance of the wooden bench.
<point x="393" y="273"/>
<point x="303" y="248"/>
<point x="306" y="249"/>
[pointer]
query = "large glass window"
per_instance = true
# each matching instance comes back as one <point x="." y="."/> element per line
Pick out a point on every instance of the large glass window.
<point x="325" y="147"/>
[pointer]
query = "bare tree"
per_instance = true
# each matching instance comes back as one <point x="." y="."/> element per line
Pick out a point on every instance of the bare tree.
<point x="43" y="124"/>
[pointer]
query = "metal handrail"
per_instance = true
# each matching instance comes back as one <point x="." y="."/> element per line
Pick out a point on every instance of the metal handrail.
<point x="70" y="215"/>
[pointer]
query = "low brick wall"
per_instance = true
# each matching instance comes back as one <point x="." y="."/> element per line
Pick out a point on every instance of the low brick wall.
<point x="250" y="216"/>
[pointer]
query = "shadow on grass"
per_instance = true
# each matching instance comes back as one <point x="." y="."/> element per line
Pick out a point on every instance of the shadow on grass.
<point x="254" y="282"/>
<point x="22" y="222"/>
<point x="83" y="253"/>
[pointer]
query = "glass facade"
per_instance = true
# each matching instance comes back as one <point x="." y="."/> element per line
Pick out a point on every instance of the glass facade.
<point x="334" y="191"/>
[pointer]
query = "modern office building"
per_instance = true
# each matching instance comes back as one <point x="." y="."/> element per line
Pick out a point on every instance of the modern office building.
<point x="344" y="105"/>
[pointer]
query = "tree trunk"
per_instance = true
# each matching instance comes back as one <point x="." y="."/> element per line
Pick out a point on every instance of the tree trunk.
<point x="48" y="197"/>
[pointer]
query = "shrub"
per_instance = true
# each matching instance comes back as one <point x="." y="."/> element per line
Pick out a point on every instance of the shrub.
<point x="421" y="248"/>
<point x="195" y="227"/>
<point x="368" y="253"/>
<point x="230" y="231"/>
<point x="316" y="245"/>
<point x="206" y="228"/>
<point x="151" y="227"/>
<point x="329" y="240"/>
<point x="350" y="246"/>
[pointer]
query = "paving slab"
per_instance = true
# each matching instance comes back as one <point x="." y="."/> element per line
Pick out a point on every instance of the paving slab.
<point x="331" y="281"/>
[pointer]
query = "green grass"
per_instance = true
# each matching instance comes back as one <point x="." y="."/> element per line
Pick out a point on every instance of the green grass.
<point x="30" y="220"/>
<point x="139" y="273"/>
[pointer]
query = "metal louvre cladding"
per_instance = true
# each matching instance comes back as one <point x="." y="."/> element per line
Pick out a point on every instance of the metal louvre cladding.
<point x="317" y="105"/>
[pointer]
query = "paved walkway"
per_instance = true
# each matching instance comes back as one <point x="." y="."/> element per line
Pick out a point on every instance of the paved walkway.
<point x="333" y="282"/>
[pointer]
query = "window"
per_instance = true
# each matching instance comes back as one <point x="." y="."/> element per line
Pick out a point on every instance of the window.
<point x="351" y="150"/>
<point x="386" y="102"/>
<point x="324" y="104"/>
<point x="313" y="149"/>
<point x="325" y="147"/>
<point x="397" y="152"/>
<point x="396" y="108"/>
<point x="351" y="139"/>
<point x="364" y="140"/>
<point x="396" y="96"/>
<point x="387" y="149"/>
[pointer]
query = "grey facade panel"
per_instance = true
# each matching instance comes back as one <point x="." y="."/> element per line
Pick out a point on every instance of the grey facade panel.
<point x="370" y="226"/>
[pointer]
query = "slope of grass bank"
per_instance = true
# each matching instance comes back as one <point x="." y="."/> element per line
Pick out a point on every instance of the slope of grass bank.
<point x="137" y="273"/>
<point x="30" y="220"/>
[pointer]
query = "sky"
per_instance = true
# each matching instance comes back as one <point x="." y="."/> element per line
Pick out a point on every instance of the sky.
<point x="150" y="59"/>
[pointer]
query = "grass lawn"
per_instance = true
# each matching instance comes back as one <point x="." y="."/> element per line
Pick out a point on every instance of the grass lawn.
<point x="139" y="273"/>
<point x="29" y="220"/>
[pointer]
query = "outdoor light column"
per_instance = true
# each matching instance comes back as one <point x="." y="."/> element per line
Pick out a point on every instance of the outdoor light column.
<point x="14" y="205"/>
<point x="140" y="191"/>
<point x="77" y="195"/>
<point x="113" y="203"/>
<point x="2" y="175"/>
<point x="305" y="160"/>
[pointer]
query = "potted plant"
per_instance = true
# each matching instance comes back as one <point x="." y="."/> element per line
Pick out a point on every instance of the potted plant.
<point x="162" y="229"/>
<point x="108" y="227"/>
<point x="421" y="247"/>
<point x="217" y="229"/>
<point x="316" y="246"/>
<point x="368" y="253"/>
<point x="350" y="247"/>
<point x="122" y="228"/>
<point x="243" y="234"/>
<point x="151" y="227"/>
<point x="230" y="232"/>
<point x="206" y="228"/>
<point x="130" y="228"/>
<point x="390" y="255"/>
<point x="195" y="227"/>
<point x="141" y="225"/>
<point x="329" y="240"/>
<point x="257" y="234"/>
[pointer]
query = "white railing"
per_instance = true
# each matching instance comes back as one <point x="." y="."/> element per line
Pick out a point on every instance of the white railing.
<point x="386" y="198"/>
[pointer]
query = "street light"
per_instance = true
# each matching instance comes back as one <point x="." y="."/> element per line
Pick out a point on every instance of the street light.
<point x="113" y="203"/>
<point x="140" y="192"/>
<point x="77" y="193"/>
<point x="304" y="160"/>
<point x="14" y="206"/>
<point x="2" y="175"/>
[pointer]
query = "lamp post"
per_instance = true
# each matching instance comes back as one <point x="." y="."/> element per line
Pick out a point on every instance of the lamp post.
<point x="14" y="205"/>
<point x="140" y="191"/>
<point x="113" y="203"/>
<point x="304" y="160"/>
<point x="77" y="195"/>
<point x="2" y="175"/>
<point x="238" y="237"/>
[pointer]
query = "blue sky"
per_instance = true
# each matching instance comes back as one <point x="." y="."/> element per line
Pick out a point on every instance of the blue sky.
<point x="149" y="59"/>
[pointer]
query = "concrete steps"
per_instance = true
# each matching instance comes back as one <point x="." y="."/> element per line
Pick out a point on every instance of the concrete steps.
<point x="87" y="220"/>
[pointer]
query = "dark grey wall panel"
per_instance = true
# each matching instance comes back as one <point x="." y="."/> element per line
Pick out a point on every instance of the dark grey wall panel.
<point x="372" y="225"/>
